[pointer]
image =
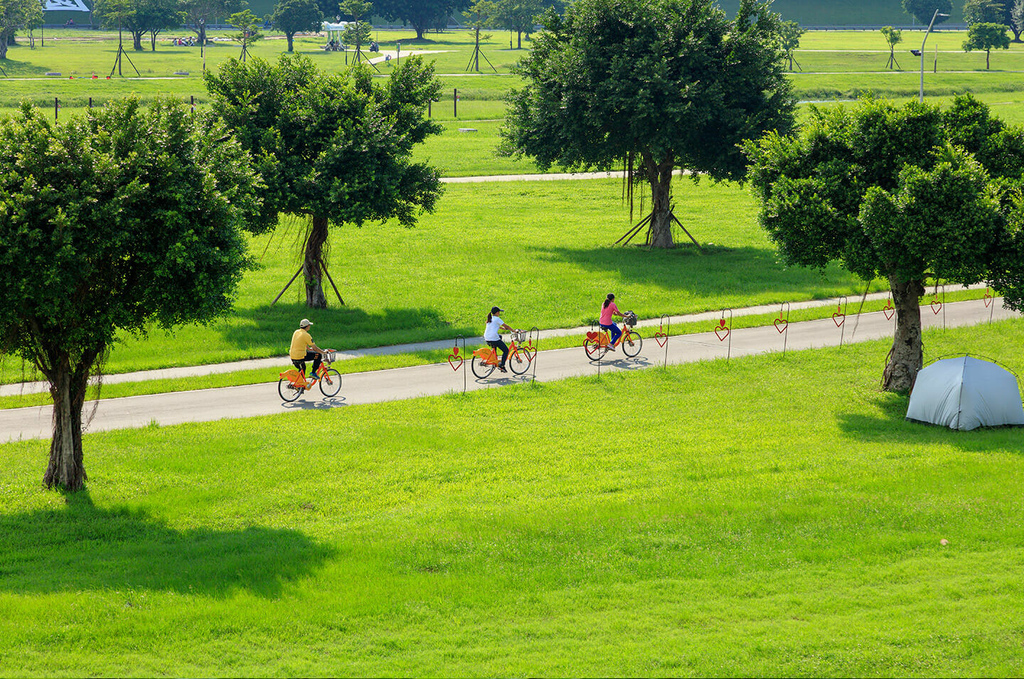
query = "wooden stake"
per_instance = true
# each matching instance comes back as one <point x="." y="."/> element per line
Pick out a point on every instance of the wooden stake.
<point x="287" y="286"/>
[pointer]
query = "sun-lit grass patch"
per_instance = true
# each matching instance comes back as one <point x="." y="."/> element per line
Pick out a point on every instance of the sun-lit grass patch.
<point x="756" y="516"/>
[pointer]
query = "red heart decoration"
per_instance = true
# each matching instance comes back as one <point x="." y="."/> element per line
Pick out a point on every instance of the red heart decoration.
<point x="718" y="331"/>
<point x="721" y="323"/>
<point x="455" y="366"/>
<point x="838" y="318"/>
<point x="988" y="297"/>
<point x="888" y="310"/>
<point x="592" y="336"/>
<point x="661" y="338"/>
<point x="781" y="324"/>
<point x="455" y="351"/>
<point x="936" y="306"/>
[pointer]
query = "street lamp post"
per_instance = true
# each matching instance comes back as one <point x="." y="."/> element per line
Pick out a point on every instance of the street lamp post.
<point x="920" y="52"/>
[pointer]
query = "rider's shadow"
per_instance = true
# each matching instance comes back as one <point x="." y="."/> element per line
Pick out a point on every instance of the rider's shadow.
<point x="321" y="404"/>
<point x="624" y="363"/>
<point x="504" y="379"/>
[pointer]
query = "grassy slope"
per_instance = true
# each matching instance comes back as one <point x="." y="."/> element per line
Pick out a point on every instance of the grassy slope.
<point x="716" y="529"/>
<point x="543" y="250"/>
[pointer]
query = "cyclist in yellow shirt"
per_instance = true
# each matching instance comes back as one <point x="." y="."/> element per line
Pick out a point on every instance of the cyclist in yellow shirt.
<point x="304" y="349"/>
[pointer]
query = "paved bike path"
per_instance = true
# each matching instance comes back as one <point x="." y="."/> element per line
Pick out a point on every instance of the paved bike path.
<point x="21" y="389"/>
<point x="436" y="379"/>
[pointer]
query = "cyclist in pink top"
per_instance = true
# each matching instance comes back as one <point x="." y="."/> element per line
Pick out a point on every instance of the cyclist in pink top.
<point x="607" y="311"/>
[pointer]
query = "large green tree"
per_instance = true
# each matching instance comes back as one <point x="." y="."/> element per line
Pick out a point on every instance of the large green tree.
<point x="420" y="14"/>
<point x="296" y="16"/>
<point x="16" y="15"/>
<point x="904" y="193"/>
<point x="986" y="37"/>
<point x="109" y="222"/>
<point x="985" y="12"/>
<point x="519" y="16"/>
<point x="137" y="17"/>
<point x="332" y="148"/>
<point x="198" y="13"/>
<point x="666" y="84"/>
<point x="924" y="10"/>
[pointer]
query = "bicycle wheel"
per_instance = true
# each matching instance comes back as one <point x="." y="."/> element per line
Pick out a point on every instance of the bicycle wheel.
<point x="595" y="352"/>
<point x="330" y="383"/>
<point x="632" y="343"/>
<point x="519" y="360"/>
<point x="288" y="391"/>
<point x="480" y="368"/>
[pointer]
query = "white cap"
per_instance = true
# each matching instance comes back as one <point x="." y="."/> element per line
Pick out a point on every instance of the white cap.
<point x="304" y="322"/>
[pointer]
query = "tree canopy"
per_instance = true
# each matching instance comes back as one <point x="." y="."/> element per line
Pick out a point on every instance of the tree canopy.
<point x="14" y="16"/>
<point x="790" y="41"/>
<point x="248" y="25"/>
<point x="296" y="16"/>
<point x="986" y="37"/>
<point x="661" y="84"/>
<point x="924" y="10"/>
<point x="985" y="12"/>
<point x="138" y="17"/>
<point x="334" y="149"/>
<point x="519" y="16"/>
<point x="905" y="193"/>
<point x="420" y="14"/>
<point x="893" y="37"/>
<point x="198" y="13"/>
<point x="109" y="222"/>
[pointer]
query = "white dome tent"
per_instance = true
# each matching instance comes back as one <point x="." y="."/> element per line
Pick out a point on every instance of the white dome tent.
<point x="966" y="393"/>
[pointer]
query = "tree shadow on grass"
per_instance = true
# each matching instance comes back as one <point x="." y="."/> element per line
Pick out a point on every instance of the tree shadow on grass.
<point x="341" y="327"/>
<point x="83" y="547"/>
<point x="22" y="69"/>
<point x="712" y="271"/>
<point x="890" y="425"/>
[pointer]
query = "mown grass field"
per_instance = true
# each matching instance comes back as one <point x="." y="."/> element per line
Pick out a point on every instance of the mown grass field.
<point x="542" y="250"/>
<point x="758" y="516"/>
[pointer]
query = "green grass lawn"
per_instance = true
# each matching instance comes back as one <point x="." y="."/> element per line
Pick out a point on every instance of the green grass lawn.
<point x="759" y="516"/>
<point x="542" y="250"/>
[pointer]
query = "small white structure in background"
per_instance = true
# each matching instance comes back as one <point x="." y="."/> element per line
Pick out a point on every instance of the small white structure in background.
<point x="966" y="393"/>
<point x="332" y="28"/>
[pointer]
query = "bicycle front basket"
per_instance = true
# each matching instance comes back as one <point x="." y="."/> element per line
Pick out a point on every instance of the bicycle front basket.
<point x="629" y="318"/>
<point x="330" y="356"/>
<point x="519" y="336"/>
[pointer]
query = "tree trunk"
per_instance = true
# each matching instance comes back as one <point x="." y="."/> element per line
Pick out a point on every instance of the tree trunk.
<point x="289" y="36"/>
<point x="906" y="357"/>
<point x="152" y="41"/>
<point x="987" y="53"/>
<point x="67" y="387"/>
<point x="659" y="175"/>
<point x="519" y="40"/>
<point x="315" y="298"/>
<point x="137" y="40"/>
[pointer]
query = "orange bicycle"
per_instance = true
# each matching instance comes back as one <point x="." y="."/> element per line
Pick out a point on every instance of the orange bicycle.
<point x="598" y="343"/>
<point x="486" y="359"/>
<point x="292" y="382"/>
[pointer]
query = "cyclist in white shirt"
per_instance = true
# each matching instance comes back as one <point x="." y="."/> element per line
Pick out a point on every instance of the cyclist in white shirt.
<point x="492" y="335"/>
